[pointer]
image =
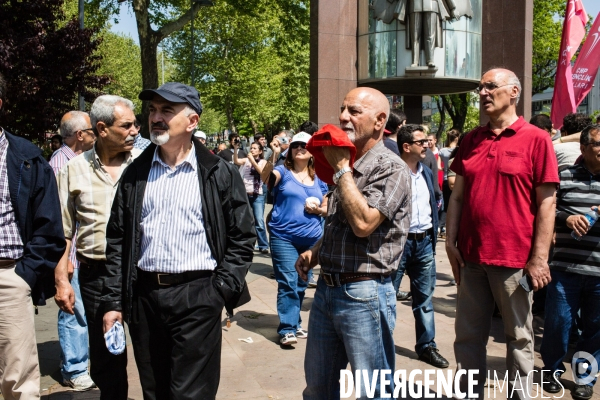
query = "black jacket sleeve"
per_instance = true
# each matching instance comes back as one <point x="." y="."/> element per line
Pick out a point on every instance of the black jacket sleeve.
<point x="44" y="242"/>
<point x="115" y="237"/>
<point x="230" y="278"/>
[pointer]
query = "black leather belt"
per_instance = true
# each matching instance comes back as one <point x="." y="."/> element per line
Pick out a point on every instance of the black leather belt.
<point x="418" y="236"/>
<point x="336" y="280"/>
<point x="165" y="280"/>
<point x="90" y="262"/>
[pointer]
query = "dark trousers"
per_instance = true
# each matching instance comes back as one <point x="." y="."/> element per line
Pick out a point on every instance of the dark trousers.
<point x="108" y="371"/>
<point x="176" y="335"/>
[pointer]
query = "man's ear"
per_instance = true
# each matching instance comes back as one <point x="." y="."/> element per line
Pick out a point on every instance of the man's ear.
<point x="380" y="120"/>
<point x="79" y="135"/>
<point x="0" y="104"/>
<point x="194" y="121"/>
<point x="101" y="128"/>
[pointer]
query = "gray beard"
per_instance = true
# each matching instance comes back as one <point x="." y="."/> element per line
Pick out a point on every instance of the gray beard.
<point x="159" y="139"/>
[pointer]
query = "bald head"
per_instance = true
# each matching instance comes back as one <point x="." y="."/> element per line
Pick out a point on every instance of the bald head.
<point x="503" y="76"/>
<point x="363" y="116"/>
<point x="73" y="121"/>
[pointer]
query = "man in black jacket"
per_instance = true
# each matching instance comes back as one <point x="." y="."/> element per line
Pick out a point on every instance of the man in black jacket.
<point x="31" y="243"/>
<point x="179" y="244"/>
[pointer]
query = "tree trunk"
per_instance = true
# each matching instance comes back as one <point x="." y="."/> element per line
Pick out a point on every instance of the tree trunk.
<point x="254" y="127"/>
<point x="230" y="120"/>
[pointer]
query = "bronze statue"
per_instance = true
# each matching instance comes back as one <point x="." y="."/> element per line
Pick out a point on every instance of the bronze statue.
<point x="423" y="19"/>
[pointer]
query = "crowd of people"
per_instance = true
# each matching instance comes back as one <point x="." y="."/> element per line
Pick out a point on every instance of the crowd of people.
<point x="159" y="234"/>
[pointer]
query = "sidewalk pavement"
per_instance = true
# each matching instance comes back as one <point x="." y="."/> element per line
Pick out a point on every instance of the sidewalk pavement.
<point x="259" y="368"/>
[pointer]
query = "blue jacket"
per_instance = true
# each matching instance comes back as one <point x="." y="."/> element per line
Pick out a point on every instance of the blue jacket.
<point x="34" y="197"/>
<point x="432" y="201"/>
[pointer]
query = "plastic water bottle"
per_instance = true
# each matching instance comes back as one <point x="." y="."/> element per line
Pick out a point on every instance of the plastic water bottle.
<point x="592" y="217"/>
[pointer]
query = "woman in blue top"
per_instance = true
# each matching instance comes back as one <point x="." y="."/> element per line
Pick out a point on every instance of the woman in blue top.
<point x="295" y="226"/>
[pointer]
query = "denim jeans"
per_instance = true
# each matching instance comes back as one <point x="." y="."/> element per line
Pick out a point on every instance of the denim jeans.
<point x="351" y="323"/>
<point x="290" y="287"/>
<point x="257" y="202"/>
<point x="419" y="263"/>
<point x="73" y="336"/>
<point x="567" y="293"/>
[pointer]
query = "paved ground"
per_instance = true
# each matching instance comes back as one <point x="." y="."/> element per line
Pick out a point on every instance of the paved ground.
<point x="264" y="370"/>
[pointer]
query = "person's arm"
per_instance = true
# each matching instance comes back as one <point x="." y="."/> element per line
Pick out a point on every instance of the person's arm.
<point x="308" y="260"/>
<point x="65" y="296"/>
<point x="258" y="166"/>
<point x="451" y="180"/>
<point x="537" y="266"/>
<point x="452" y="225"/>
<point x="268" y="169"/>
<point x="362" y="218"/>
<point x="568" y="139"/>
<point x="236" y="160"/>
<point x="113" y="281"/>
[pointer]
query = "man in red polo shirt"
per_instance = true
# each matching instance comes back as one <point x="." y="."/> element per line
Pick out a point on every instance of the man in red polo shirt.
<point x="499" y="227"/>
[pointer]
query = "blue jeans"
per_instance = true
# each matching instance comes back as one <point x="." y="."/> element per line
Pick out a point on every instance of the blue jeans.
<point x="73" y="336"/>
<point x="567" y="293"/>
<point x="257" y="202"/>
<point x="290" y="287"/>
<point x="351" y="323"/>
<point x="419" y="263"/>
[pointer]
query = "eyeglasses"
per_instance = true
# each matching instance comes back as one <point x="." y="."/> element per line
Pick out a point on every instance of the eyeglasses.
<point x="87" y="129"/>
<point x="421" y="142"/>
<point x="298" y="144"/>
<point x="490" y="87"/>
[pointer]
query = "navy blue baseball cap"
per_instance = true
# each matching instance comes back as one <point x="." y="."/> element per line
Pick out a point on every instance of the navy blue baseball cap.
<point x="176" y="93"/>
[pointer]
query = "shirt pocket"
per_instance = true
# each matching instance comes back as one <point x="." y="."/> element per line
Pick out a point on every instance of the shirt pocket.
<point x="514" y="163"/>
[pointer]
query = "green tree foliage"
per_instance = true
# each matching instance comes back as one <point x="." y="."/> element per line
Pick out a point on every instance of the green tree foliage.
<point x="46" y="60"/>
<point x="460" y="109"/>
<point x="251" y="62"/>
<point x="548" y="16"/>
<point x="121" y="62"/>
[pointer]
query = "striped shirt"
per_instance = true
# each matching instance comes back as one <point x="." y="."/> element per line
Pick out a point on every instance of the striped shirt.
<point x="86" y="192"/>
<point x="579" y="190"/>
<point x="173" y="239"/>
<point x="59" y="159"/>
<point x="141" y="143"/>
<point x="384" y="181"/>
<point x="11" y="245"/>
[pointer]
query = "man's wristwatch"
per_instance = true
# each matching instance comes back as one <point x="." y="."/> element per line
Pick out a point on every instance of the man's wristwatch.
<point x="338" y="175"/>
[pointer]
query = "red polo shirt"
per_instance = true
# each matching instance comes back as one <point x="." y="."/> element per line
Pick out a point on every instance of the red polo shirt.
<point x="501" y="173"/>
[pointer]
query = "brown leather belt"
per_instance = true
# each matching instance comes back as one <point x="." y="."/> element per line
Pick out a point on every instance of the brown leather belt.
<point x="7" y="262"/>
<point x="165" y="280"/>
<point x="336" y="280"/>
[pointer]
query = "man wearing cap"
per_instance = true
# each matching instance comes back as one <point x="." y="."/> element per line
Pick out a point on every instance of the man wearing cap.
<point x="354" y="309"/>
<point x="179" y="243"/>
<point x="86" y="186"/>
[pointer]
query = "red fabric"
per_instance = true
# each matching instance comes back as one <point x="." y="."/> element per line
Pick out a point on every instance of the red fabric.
<point x="563" y="99"/>
<point x="328" y="135"/>
<point x="586" y="67"/>
<point x="500" y="176"/>
<point x="440" y="171"/>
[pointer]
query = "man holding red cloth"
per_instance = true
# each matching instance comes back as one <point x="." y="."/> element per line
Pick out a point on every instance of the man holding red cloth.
<point x="499" y="228"/>
<point x="354" y="309"/>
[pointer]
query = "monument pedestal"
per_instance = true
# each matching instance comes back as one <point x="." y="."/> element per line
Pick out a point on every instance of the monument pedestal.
<point x="424" y="71"/>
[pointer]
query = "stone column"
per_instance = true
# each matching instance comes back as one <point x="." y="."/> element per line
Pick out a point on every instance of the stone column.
<point x="333" y="53"/>
<point x="507" y="42"/>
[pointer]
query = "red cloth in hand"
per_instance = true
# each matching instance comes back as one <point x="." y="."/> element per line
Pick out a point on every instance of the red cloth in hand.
<point x="328" y="135"/>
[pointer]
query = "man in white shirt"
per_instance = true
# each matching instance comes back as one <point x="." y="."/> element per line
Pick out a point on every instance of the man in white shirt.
<point x="418" y="256"/>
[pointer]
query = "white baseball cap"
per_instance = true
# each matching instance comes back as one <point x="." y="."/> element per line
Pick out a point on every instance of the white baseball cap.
<point x="200" y="134"/>
<point x="301" y="137"/>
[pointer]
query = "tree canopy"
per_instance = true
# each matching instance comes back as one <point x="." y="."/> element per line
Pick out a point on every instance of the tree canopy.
<point x="46" y="60"/>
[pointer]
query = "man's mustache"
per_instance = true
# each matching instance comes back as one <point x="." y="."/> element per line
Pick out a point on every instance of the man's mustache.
<point x="160" y="126"/>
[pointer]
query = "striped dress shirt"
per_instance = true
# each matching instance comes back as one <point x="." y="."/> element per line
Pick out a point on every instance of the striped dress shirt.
<point x="11" y="245"/>
<point x="86" y="192"/>
<point x="173" y="238"/>
<point x="579" y="190"/>
<point x="58" y="160"/>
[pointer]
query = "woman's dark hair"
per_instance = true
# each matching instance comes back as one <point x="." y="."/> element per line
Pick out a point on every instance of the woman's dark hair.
<point x="261" y="148"/>
<point x="455" y="150"/>
<point x="289" y="163"/>
<point x="453" y="134"/>
<point x="395" y="120"/>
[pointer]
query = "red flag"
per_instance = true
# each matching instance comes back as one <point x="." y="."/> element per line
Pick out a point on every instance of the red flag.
<point x="563" y="100"/>
<point x="586" y="66"/>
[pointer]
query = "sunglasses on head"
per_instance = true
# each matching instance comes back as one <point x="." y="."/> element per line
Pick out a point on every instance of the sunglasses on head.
<point x="297" y="145"/>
